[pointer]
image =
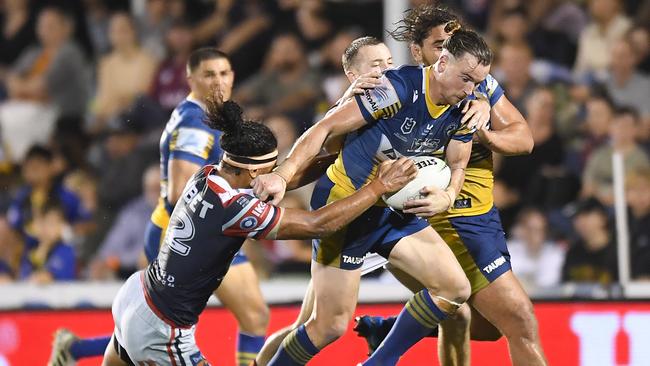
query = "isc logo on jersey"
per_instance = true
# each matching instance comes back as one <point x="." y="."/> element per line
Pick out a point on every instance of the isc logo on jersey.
<point x="249" y="222"/>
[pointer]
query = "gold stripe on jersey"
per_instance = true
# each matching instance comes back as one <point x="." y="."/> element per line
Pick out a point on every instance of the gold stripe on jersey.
<point x="477" y="189"/>
<point x="336" y="173"/>
<point x="434" y="110"/>
<point x="160" y="216"/>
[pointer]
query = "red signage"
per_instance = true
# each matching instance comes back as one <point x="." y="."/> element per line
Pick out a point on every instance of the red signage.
<point x="580" y="334"/>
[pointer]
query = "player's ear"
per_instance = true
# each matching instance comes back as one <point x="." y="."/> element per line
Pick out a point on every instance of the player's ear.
<point x="351" y="76"/>
<point x="253" y="173"/>
<point x="443" y="62"/>
<point x="416" y="52"/>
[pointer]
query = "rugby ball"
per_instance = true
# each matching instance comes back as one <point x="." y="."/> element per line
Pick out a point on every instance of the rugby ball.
<point x="431" y="172"/>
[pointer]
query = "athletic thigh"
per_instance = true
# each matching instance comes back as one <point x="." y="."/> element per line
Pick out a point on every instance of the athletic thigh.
<point x="425" y="257"/>
<point x="335" y="291"/>
<point x="240" y="290"/>
<point x="505" y="304"/>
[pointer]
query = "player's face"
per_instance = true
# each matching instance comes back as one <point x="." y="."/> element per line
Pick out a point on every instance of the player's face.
<point x="460" y="76"/>
<point x="212" y="77"/>
<point x="431" y="48"/>
<point x="371" y="58"/>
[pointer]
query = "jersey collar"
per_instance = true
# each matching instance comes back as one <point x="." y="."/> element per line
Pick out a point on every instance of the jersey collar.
<point x="434" y="110"/>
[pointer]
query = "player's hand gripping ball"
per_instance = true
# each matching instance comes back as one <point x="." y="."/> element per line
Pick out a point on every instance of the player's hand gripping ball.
<point x="431" y="172"/>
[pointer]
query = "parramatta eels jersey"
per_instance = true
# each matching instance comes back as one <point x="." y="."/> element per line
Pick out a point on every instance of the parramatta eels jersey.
<point x="186" y="137"/>
<point x="208" y="226"/>
<point x="402" y="121"/>
<point x="475" y="197"/>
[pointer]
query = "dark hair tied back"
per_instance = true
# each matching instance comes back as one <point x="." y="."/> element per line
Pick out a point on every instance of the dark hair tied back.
<point x="225" y="117"/>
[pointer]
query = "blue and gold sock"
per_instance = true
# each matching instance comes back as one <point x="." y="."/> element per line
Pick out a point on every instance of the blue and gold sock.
<point x="296" y="349"/>
<point x="417" y="319"/>
<point x="248" y="346"/>
<point x="89" y="347"/>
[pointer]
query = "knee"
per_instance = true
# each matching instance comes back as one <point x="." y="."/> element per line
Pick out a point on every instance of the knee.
<point x="463" y="316"/>
<point x="460" y="290"/>
<point x="523" y="323"/>
<point x="332" y="328"/>
<point x="255" y="320"/>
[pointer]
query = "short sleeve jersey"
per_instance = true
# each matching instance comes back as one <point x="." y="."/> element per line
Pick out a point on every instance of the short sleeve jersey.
<point x="207" y="227"/>
<point x="402" y="121"/>
<point x="186" y="137"/>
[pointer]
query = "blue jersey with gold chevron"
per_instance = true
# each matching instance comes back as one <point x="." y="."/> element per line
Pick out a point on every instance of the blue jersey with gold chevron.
<point x="475" y="197"/>
<point x="186" y="137"/>
<point x="402" y="121"/>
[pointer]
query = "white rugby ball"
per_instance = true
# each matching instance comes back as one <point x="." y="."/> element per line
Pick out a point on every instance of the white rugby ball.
<point x="431" y="172"/>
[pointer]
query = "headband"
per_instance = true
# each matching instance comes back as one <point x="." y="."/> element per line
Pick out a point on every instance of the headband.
<point x="251" y="162"/>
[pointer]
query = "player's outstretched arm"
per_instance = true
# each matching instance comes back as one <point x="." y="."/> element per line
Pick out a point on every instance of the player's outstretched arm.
<point x="345" y="119"/>
<point x="437" y="200"/>
<point x="392" y="176"/>
<point x="509" y="133"/>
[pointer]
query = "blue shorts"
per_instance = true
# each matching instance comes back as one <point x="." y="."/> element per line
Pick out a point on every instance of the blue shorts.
<point x="479" y="244"/>
<point x="153" y="238"/>
<point x="376" y="230"/>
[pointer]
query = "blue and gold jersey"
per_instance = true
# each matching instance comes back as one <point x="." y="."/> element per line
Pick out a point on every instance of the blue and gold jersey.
<point x="475" y="197"/>
<point x="402" y="121"/>
<point x="186" y="137"/>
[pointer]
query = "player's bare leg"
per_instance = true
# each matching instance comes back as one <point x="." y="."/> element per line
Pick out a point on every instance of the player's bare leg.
<point x="274" y="340"/>
<point x="111" y="358"/>
<point x="240" y="293"/>
<point x="453" y="339"/>
<point x="428" y="259"/>
<point x="335" y="298"/>
<point x="506" y="305"/>
<point x="454" y="333"/>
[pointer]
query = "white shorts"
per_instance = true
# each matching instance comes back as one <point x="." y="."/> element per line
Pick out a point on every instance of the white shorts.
<point x="371" y="262"/>
<point x="145" y="336"/>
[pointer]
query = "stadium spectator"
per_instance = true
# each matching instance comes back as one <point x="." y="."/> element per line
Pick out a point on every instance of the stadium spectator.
<point x="335" y="83"/>
<point x="170" y="81"/>
<point x="47" y="81"/>
<point x="120" y="167"/>
<point x="594" y="132"/>
<point x="17" y="34"/>
<point x="625" y="84"/>
<point x="52" y="259"/>
<point x="592" y="255"/>
<point x="97" y="22"/>
<point x="532" y="176"/>
<point x="638" y="201"/>
<point x="285" y="85"/>
<point x="608" y="24"/>
<point x="536" y="260"/>
<point x="123" y="74"/>
<point x="120" y="252"/>
<point x="513" y="73"/>
<point x="639" y="37"/>
<point x="597" y="178"/>
<point x="315" y="28"/>
<point x="42" y="188"/>
<point x="152" y="25"/>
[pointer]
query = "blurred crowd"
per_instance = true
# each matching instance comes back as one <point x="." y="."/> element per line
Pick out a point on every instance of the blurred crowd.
<point x="86" y="87"/>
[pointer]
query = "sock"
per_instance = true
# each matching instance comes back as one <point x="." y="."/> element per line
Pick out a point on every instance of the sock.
<point x="89" y="347"/>
<point x="296" y="349"/>
<point x="248" y="346"/>
<point x="389" y="321"/>
<point x="415" y="321"/>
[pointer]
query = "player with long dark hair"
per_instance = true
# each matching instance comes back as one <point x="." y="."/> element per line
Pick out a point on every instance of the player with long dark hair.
<point x="156" y="310"/>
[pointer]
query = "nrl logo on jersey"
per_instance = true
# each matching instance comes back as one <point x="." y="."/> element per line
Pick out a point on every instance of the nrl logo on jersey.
<point x="408" y="125"/>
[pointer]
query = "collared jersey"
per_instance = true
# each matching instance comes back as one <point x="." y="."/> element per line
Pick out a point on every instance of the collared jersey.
<point x="186" y="137"/>
<point x="475" y="197"/>
<point x="208" y="226"/>
<point x="402" y="121"/>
